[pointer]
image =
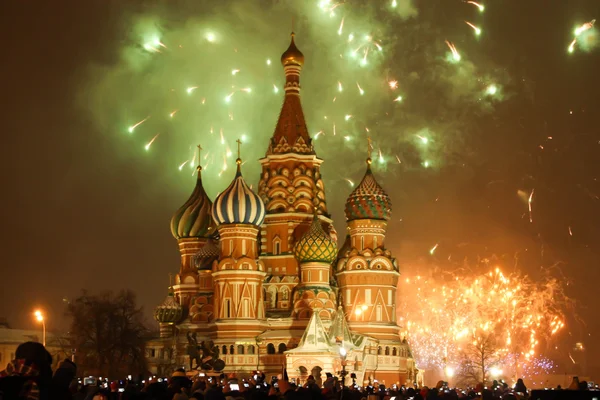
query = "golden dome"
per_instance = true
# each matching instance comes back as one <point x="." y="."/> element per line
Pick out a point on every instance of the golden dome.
<point x="292" y="55"/>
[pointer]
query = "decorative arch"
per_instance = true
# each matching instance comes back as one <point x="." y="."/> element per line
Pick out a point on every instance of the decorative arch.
<point x="356" y="263"/>
<point x="281" y="348"/>
<point x="270" y="348"/>
<point x="276" y="243"/>
<point x="385" y="263"/>
<point x="303" y="180"/>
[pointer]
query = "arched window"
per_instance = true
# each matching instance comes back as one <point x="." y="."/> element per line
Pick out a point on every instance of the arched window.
<point x="251" y="349"/>
<point x="231" y="350"/>
<point x="282" y="347"/>
<point x="224" y="349"/>
<point x="387" y="351"/>
<point x="270" y="348"/>
<point x="240" y="349"/>
<point x="394" y="351"/>
<point x="379" y="351"/>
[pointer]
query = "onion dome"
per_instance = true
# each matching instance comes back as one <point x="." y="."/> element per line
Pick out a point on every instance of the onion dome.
<point x="193" y="219"/>
<point x="206" y="255"/>
<point x="169" y="312"/>
<point x="238" y="204"/>
<point x="368" y="200"/>
<point x="315" y="245"/>
<point x="292" y="56"/>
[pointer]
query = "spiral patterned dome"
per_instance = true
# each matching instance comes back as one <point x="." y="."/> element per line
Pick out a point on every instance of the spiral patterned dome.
<point x="193" y="219"/>
<point x="368" y="200"/>
<point x="169" y="312"/>
<point x="315" y="245"/>
<point x="204" y="258"/>
<point x="238" y="204"/>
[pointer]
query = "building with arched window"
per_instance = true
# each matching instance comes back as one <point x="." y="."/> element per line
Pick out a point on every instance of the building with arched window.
<point x="261" y="281"/>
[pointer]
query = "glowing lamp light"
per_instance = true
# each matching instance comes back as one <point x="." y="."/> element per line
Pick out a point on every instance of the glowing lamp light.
<point x="38" y="315"/>
<point x="343" y="352"/>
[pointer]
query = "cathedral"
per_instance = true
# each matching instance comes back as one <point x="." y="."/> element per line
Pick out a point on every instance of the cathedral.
<point x="262" y="285"/>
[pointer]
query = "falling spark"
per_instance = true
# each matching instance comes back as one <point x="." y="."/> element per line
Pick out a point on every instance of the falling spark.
<point x="234" y="71"/>
<point x="455" y="53"/>
<point x="268" y="61"/>
<point x="350" y="182"/>
<point x="340" y="86"/>
<point x="341" y="27"/>
<point x="398" y="159"/>
<point x="132" y="127"/>
<point x="570" y="231"/>
<point x="381" y="159"/>
<point x="433" y="248"/>
<point x="183" y="164"/>
<point x="393" y="85"/>
<point x="476" y="29"/>
<point x="529" y="203"/>
<point x="173" y="113"/>
<point x="191" y="89"/>
<point x="147" y="146"/>
<point x="398" y="99"/>
<point x="222" y="137"/>
<point x="480" y="6"/>
<point x="585" y="27"/>
<point x="424" y="140"/>
<point x="275" y="89"/>
<point x="572" y="45"/>
<point x="333" y="129"/>
<point x="347" y="117"/>
<point x="360" y="89"/>
<point x="347" y="138"/>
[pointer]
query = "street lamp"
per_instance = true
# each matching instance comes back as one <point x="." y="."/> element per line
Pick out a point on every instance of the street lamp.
<point x="40" y="317"/>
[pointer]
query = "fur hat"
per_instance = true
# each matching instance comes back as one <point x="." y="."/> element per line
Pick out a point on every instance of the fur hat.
<point x="34" y="352"/>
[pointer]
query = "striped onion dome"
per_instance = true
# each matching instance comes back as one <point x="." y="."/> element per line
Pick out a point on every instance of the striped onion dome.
<point x="238" y="204"/>
<point x="315" y="245"/>
<point x="169" y="312"/>
<point x="204" y="258"/>
<point x="368" y="200"/>
<point x="193" y="219"/>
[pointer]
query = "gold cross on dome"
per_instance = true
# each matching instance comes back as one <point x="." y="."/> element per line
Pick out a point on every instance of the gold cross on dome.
<point x="199" y="151"/>
<point x="239" y="143"/>
<point x="369" y="146"/>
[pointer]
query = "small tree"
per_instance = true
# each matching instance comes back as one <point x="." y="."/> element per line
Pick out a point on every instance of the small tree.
<point x="108" y="333"/>
<point x="476" y="360"/>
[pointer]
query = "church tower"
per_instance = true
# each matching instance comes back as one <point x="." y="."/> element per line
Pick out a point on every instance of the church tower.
<point x="291" y="188"/>
<point x="315" y="252"/>
<point x="192" y="225"/>
<point x="238" y="273"/>
<point x="366" y="271"/>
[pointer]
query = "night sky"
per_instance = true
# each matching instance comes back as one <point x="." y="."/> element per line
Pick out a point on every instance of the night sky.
<point x="84" y="206"/>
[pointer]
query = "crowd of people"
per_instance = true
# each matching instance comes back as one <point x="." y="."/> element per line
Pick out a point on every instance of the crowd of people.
<point x="30" y="377"/>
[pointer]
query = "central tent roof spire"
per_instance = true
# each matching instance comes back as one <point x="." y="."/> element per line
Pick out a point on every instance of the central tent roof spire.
<point x="291" y="134"/>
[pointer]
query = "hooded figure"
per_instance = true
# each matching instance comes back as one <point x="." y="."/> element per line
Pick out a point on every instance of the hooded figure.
<point x="61" y="381"/>
<point x="29" y="375"/>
